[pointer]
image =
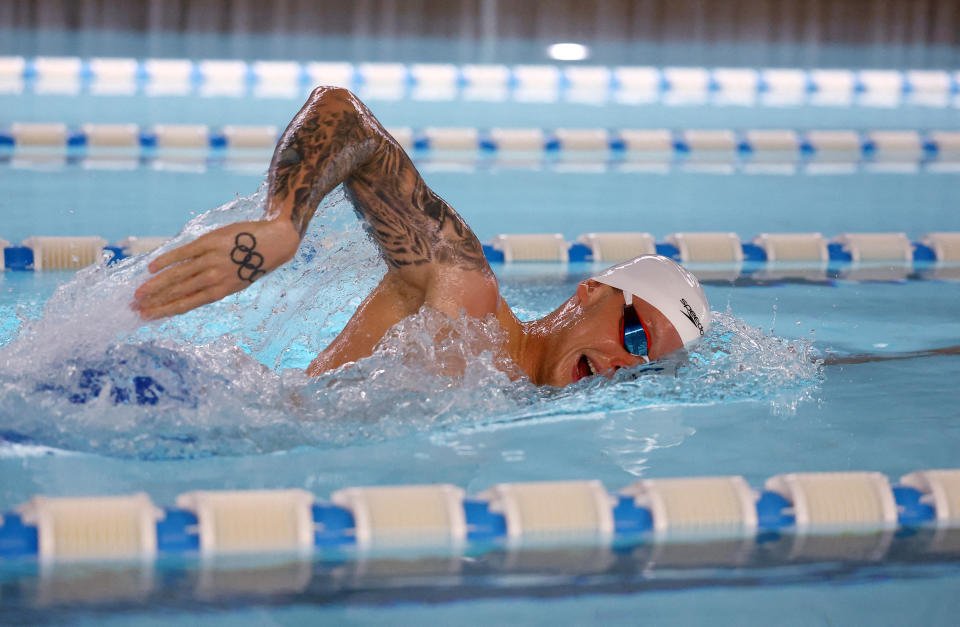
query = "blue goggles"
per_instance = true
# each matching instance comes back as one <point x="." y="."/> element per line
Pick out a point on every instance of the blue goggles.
<point x="635" y="339"/>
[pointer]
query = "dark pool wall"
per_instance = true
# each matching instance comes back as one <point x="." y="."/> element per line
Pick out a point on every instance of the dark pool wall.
<point x="864" y="33"/>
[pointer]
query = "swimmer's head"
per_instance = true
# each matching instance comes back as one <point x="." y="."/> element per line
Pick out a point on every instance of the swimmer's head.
<point x="632" y="313"/>
<point x="665" y="286"/>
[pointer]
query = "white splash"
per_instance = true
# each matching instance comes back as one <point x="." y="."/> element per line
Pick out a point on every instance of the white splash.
<point x="227" y="379"/>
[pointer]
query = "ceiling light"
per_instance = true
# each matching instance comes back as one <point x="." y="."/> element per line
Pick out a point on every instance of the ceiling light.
<point x="568" y="52"/>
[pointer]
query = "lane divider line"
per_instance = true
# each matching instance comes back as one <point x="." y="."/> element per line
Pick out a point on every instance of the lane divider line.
<point x="630" y="85"/>
<point x="546" y="513"/>
<point x="878" y="256"/>
<point x="707" y="146"/>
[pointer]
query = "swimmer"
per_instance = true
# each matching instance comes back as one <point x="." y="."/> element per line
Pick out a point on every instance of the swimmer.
<point x="630" y="314"/>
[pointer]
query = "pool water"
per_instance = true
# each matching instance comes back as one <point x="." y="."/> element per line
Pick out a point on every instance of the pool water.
<point x="876" y="416"/>
<point x="757" y="399"/>
<point x="770" y="411"/>
<point x="148" y="201"/>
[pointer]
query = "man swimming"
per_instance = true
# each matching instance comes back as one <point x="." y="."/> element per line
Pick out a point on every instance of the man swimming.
<point x="630" y="314"/>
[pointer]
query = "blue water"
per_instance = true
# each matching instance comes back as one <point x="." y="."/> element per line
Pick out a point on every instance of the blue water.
<point x="872" y="416"/>
<point x="758" y="403"/>
<point x="157" y="202"/>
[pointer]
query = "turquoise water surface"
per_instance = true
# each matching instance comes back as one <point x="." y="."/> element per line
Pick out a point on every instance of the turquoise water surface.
<point x="756" y="399"/>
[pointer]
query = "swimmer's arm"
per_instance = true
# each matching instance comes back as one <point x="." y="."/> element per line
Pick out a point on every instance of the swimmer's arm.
<point x="389" y="303"/>
<point x="333" y="139"/>
<point x="323" y="144"/>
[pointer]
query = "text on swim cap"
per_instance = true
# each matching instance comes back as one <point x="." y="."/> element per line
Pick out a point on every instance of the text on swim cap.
<point x="691" y="314"/>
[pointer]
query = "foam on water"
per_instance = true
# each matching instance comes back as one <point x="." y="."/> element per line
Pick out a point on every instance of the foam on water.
<point x="227" y="379"/>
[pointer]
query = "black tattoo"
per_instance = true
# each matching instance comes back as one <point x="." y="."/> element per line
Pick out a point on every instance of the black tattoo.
<point x="318" y="151"/>
<point x="335" y="139"/>
<point x="244" y="255"/>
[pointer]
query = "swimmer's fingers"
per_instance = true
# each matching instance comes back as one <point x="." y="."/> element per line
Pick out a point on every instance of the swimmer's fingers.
<point x="181" y="253"/>
<point x="175" y="287"/>
<point x="185" y="304"/>
<point x="157" y="286"/>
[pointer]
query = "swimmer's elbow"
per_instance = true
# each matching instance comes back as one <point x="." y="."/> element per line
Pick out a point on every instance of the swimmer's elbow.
<point x="329" y="97"/>
<point x="327" y="100"/>
<point x="330" y="93"/>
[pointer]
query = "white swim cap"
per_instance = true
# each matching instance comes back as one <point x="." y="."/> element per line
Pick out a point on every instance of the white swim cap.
<point x="668" y="287"/>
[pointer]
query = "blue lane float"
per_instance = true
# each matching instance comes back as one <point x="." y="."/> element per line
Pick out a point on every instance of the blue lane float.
<point x="653" y="510"/>
<point x="625" y="147"/>
<point x="834" y="257"/>
<point x="544" y="83"/>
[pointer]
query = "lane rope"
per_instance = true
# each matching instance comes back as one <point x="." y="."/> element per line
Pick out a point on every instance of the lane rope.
<point x="624" y="146"/>
<point x="493" y="82"/>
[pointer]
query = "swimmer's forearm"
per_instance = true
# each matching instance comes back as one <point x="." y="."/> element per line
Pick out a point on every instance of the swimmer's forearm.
<point x="329" y="139"/>
<point x="335" y="139"/>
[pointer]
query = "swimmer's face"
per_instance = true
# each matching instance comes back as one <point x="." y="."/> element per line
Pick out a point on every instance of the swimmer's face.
<point x="590" y="340"/>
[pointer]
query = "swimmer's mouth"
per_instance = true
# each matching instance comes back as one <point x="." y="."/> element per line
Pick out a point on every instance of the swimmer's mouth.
<point x="583" y="369"/>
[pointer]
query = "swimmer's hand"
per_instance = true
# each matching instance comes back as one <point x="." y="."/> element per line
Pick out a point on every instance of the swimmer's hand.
<point x="214" y="265"/>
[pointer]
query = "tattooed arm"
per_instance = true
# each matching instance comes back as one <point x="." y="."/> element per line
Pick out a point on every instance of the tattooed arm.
<point x="335" y="139"/>
<point x="432" y="255"/>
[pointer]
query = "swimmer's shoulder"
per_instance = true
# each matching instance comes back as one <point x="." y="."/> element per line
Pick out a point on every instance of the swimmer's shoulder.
<point x="454" y="289"/>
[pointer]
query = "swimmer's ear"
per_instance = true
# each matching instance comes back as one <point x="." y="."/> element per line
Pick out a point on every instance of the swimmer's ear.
<point x="589" y="291"/>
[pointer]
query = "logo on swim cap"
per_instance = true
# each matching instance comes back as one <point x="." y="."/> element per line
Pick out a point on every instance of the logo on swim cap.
<point x="691" y="314"/>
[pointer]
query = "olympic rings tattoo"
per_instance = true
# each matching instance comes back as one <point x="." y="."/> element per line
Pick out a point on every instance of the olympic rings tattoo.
<point x="244" y="255"/>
